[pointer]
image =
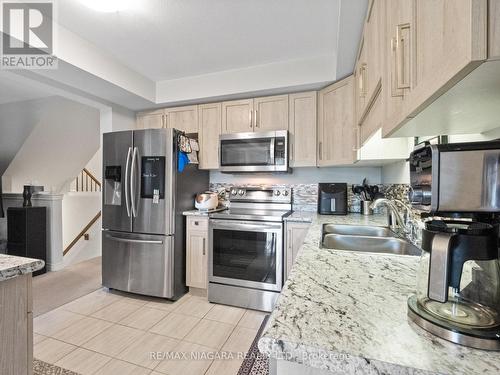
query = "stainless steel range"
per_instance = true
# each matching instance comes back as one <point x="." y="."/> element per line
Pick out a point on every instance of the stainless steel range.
<point x="245" y="266"/>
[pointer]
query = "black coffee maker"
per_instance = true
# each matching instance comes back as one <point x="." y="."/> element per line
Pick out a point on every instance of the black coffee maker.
<point x="458" y="281"/>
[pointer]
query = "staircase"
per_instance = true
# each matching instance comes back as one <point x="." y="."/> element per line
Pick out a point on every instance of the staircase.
<point x="81" y="200"/>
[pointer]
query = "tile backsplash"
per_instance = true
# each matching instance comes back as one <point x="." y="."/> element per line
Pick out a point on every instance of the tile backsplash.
<point x="305" y="196"/>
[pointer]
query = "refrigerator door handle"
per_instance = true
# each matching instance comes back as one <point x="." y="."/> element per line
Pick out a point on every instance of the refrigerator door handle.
<point x="132" y="183"/>
<point x="127" y="169"/>
<point x="128" y="240"/>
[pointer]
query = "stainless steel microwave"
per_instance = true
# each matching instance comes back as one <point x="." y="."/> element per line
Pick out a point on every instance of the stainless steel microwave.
<point x="254" y="152"/>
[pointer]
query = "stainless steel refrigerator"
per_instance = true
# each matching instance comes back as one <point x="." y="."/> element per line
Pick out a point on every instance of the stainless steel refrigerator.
<point x="143" y="197"/>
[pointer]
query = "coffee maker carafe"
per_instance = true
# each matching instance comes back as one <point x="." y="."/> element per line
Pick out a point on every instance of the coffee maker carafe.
<point x="458" y="281"/>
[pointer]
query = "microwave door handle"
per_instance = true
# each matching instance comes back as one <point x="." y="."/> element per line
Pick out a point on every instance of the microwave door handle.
<point x="271" y="150"/>
<point x="127" y="172"/>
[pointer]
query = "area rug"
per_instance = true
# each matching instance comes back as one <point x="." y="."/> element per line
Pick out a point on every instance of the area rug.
<point x="255" y="363"/>
<point x="44" y="368"/>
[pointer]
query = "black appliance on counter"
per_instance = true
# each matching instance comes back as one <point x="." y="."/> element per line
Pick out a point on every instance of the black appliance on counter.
<point x="27" y="233"/>
<point x="332" y="198"/>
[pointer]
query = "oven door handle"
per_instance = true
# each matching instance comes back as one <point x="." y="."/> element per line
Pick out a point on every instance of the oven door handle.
<point x="241" y="226"/>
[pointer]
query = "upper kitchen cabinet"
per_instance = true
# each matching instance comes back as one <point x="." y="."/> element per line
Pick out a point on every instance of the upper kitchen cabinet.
<point x="431" y="45"/>
<point x="237" y="116"/>
<point x="303" y="129"/>
<point x="150" y="120"/>
<point x="183" y="118"/>
<point x="210" y="123"/>
<point x="494" y="29"/>
<point x="337" y="139"/>
<point x="253" y="115"/>
<point x="271" y="113"/>
<point x="369" y="65"/>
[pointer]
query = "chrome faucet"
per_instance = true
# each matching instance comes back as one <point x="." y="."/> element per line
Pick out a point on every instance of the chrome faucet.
<point x="395" y="221"/>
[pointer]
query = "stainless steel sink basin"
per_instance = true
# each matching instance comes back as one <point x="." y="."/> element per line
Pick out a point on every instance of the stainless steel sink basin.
<point x="365" y="244"/>
<point x="358" y="230"/>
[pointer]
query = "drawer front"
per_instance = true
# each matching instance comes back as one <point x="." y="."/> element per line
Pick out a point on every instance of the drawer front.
<point x="197" y="223"/>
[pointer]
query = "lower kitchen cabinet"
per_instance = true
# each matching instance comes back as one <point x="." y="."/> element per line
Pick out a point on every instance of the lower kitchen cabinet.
<point x="197" y="252"/>
<point x="295" y="234"/>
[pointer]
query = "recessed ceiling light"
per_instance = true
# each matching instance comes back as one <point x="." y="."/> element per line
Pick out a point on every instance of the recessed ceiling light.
<point x="107" y="6"/>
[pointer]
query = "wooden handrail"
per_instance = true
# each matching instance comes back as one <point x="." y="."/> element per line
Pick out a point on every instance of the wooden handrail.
<point x="82" y="233"/>
<point x="83" y="180"/>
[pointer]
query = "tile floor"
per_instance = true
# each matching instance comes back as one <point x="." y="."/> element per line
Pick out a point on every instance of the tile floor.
<point x="108" y="333"/>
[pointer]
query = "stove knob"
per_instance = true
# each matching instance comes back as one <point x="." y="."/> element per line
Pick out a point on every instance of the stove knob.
<point x="241" y="192"/>
<point x="277" y="193"/>
<point x="285" y="193"/>
<point x="233" y="192"/>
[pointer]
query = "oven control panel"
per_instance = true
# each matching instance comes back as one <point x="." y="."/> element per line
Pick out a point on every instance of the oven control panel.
<point x="261" y="194"/>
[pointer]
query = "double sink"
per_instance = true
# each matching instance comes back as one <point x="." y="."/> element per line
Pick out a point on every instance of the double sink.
<point x="365" y="238"/>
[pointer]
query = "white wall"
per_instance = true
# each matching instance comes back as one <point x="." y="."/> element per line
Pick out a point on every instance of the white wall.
<point x="396" y="173"/>
<point x="352" y="175"/>
<point x="17" y="121"/>
<point x="65" y="138"/>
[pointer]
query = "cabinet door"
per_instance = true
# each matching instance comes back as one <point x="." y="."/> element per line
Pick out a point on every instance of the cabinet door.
<point x="183" y="118"/>
<point x="361" y="85"/>
<point x="196" y="259"/>
<point x="494" y="29"/>
<point x="399" y="48"/>
<point x="295" y="234"/>
<point x="375" y="35"/>
<point x="336" y="128"/>
<point x="237" y="116"/>
<point x="210" y="122"/>
<point x="271" y="113"/>
<point x="303" y="129"/>
<point x="150" y="120"/>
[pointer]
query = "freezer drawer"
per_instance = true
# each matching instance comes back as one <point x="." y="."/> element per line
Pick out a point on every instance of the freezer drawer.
<point x="138" y="263"/>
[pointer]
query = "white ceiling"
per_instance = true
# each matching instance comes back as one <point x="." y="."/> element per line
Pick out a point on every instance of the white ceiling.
<point x="169" y="39"/>
<point x="12" y="91"/>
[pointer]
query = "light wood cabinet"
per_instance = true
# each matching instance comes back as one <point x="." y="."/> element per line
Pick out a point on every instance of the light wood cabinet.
<point x="151" y="120"/>
<point x="197" y="252"/>
<point x="295" y="234"/>
<point x="209" y="129"/>
<point x="361" y="90"/>
<point x="16" y="326"/>
<point x="237" y="116"/>
<point x="271" y="113"/>
<point x="183" y="118"/>
<point x="337" y="135"/>
<point x="432" y="45"/>
<point x="494" y="29"/>
<point x="303" y="129"/>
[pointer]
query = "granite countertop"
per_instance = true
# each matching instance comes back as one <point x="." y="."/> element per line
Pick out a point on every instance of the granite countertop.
<point x="346" y="312"/>
<point x="12" y="266"/>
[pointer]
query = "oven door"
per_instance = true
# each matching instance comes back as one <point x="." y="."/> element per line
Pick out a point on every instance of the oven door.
<point x="246" y="253"/>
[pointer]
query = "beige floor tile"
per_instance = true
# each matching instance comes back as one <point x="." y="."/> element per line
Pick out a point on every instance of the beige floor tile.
<point x="113" y="340"/>
<point x="91" y="303"/>
<point x="144" y="352"/>
<point x="175" y="325"/>
<point x="38" y="338"/>
<point x="210" y="333"/>
<point x="82" y="331"/>
<point x="83" y="361"/>
<point x="144" y="318"/>
<point x="225" y="366"/>
<point x="188" y="358"/>
<point x="252" y="319"/>
<point x="240" y="340"/>
<point x="225" y="314"/>
<point x="195" y="306"/>
<point x="116" y="311"/>
<point x="136" y="299"/>
<point x="163" y="304"/>
<point x="117" y="367"/>
<point x="51" y="350"/>
<point x="53" y="321"/>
